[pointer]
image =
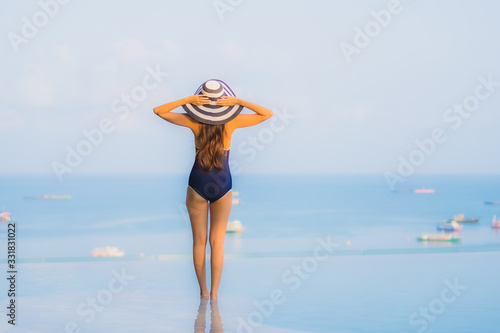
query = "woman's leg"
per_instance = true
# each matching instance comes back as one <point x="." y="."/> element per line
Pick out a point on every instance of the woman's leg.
<point x="219" y="214"/>
<point x="198" y="214"/>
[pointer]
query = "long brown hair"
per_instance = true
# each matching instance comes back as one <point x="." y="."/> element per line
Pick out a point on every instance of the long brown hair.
<point x="211" y="141"/>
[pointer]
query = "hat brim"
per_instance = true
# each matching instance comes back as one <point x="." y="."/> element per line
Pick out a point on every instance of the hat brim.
<point x="212" y="113"/>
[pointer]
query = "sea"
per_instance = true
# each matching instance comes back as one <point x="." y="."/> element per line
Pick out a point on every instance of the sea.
<point x="319" y="253"/>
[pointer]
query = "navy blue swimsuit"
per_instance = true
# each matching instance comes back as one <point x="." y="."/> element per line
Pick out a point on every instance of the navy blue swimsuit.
<point x="214" y="184"/>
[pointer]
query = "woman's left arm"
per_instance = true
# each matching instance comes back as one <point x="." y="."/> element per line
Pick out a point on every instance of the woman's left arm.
<point x="181" y="119"/>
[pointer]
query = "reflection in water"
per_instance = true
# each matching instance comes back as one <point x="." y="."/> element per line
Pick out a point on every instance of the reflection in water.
<point x="216" y="320"/>
<point x="235" y="240"/>
<point x="432" y="244"/>
<point x="200" y="321"/>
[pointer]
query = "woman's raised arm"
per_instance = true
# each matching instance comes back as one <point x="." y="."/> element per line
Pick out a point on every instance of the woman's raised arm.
<point x="244" y="120"/>
<point x="180" y="119"/>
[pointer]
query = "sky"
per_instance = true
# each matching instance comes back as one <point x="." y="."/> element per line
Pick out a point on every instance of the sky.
<point x="384" y="87"/>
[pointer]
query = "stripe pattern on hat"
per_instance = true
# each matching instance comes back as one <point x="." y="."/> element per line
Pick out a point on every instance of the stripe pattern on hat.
<point x="212" y="113"/>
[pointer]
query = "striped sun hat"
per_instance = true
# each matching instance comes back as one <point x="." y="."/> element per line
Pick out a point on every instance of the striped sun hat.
<point x="212" y="113"/>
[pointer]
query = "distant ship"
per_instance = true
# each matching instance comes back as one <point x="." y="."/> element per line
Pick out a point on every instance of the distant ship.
<point x="446" y="237"/>
<point x="107" y="251"/>
<point x="492" y="202"/>
<point x="402" y="191"/>
<point x="460" y="218"/>
<point x="450" y="226"/>
<point x="48" y="197"/>
<point x="495" y="223"/>
<point x="424" y="190"/>
<point x="234" y="227"/>
<point x="5" y="216"/>
<point x="236" y="201"/>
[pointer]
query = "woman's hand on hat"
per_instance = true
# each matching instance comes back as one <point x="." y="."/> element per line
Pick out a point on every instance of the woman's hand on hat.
<point x="228" y="100"/>
<point x="197" y="99"/>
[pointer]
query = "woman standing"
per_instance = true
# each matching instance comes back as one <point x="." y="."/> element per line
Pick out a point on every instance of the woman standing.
<point x="213" y="114"/>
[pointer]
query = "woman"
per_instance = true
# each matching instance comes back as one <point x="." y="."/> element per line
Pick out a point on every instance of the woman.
<point x="212" y="113"/>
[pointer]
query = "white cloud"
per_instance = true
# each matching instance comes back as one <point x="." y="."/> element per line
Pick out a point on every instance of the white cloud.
<point x="107" y="66"/>
<point x="133" y="49"/>
<point x="47" y="79"/>
<point x="65" y="54"/>
<point x="171" y="47"/>
<point x="231" y="50"/>
<point x="357" y="114"/>
<point x="37" y="88"/>
<point x="275" y="58"/>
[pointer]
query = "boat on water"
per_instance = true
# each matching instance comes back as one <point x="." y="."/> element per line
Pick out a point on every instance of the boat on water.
<point x="5" y="216"/>
<point x="108" y="251"/>
<point x="424" y="190"/>
<point x="450" y="226"/>
<point x="495" y="223"/>
<point x="443" y="237"/>
<point x="402" y="191"/>
<point x="49" y="197"/>
<point x="460" y="218"/>
<point x="492" y="202"/>
<point x="236" y="201"/>
<point x="234" y="227"/>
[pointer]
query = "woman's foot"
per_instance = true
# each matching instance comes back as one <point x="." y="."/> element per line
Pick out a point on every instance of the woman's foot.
<point x="213" y="296"/>
<point x="204" y="294"/>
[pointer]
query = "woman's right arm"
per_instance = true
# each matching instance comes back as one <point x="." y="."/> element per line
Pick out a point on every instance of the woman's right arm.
<point x="181" y="119"/>
<point x="245" y="120"/>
